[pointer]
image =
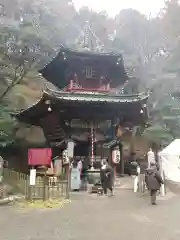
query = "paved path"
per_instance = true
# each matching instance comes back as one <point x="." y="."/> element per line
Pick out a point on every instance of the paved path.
<point x="124" y="216"/>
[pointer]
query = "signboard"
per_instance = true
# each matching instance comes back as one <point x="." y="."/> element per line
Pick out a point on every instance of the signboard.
<point x="65" y="157"/>
<point x="70" y="149"/>
<point x="39" y="156"/>
<point x="32" y="181"/>
<point x="77" y="123"/>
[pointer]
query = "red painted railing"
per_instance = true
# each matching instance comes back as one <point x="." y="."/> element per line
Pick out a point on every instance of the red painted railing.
<point x="73" y="86"/>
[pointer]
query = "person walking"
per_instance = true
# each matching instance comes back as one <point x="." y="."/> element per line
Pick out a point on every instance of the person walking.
<point x="143" y="165"/>
<point x="106" y="175"/>
<point x="153" y="181"/>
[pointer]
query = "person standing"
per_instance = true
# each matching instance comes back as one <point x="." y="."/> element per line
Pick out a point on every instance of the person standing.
<point x="136" y="177"/>
<point x="80" y="167"/>
<point x="151" y="157"/>
<point x="143" y="165"/>
<point x="75" y="178"/>
<point x="153" y="181"/>
<point x="106" y="175"/>
<point x="161" y="170"/>
<point x="1" y="168"/>
<point x="134" y="171"/>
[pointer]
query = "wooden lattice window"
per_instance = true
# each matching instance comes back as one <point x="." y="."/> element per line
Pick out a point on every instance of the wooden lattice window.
<point x="89" y="72"/>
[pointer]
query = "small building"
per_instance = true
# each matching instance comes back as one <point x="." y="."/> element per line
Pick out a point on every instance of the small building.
<point x="87" y="104"/>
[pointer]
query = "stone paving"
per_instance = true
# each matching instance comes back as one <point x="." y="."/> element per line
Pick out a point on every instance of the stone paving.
<point x="124" y="216"/>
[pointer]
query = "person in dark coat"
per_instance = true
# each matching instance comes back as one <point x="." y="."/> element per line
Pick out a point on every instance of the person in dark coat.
<point x="153" y="181"/>
<point x="106" y="174"/>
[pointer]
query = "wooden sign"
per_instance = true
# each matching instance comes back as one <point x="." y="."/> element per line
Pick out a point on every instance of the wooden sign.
<point x="39" y="156"/>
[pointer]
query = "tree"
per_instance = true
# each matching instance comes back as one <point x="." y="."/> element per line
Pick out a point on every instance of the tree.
<point x="22" y="50"/>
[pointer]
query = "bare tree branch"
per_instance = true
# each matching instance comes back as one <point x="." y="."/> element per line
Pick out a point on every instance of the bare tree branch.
<point x="17" y="79"/>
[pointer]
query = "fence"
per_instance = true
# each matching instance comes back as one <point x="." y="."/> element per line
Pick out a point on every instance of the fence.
<point x="45" y="188"/>
<point x="15" y="182"/>
<point x="49" y="188"/>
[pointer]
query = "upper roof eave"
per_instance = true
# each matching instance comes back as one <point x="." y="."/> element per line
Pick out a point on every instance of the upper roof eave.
<point x="85" y="54"/>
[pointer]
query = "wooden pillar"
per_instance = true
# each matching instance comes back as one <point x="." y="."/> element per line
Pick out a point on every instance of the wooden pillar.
<point x="111" y="162"/>
<point x="92" y="146"/>
<point x="121" y="160"/>
<point x="134" y="131"/>
<point x="118" y="133"/>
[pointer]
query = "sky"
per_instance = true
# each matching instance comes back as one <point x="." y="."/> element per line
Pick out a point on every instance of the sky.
<point x="113" y="7"/>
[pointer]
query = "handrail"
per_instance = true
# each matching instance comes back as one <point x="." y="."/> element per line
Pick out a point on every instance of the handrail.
<point x="62" y="92"/>
<point x="73" y="86"/>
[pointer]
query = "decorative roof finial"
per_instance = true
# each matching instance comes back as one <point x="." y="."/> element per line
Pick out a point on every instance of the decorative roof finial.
<point x="88" y="40"/>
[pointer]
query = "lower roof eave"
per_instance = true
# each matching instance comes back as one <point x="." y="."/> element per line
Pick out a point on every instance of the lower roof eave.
<point x="32" y="113"/>
<point x="94" y="97"/>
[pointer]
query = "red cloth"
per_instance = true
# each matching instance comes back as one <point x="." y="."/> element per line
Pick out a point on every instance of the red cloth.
<point x="39" y="156"/>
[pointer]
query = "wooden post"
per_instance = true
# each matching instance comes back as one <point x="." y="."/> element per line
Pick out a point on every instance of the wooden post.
<point x="162" y="189"/>
<point x="114" y="172"/>
<point x="121" y="160"/>
<point x="71" y="84"/>
<point x="92" y="146"/>
<point x="112" y="162"/>
<point x="134" y="131"/>
<point x="44" y="187"/>
<point x="68" y="180"/>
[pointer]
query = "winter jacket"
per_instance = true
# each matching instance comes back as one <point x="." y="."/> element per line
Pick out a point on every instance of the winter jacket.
<point x="153" y="179"/>
<point x="107" y="175"/>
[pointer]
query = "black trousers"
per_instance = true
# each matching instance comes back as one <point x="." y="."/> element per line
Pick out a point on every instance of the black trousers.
<point x="106" y="187"/>
<point x="153" y="196"/>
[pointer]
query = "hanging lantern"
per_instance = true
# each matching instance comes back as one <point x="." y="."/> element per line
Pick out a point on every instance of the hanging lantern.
<point x="49" y="109"/>
<point x="65" y="157"/>
<point x="116" y="155"/>
<point x="70" y="149"/>
<point x="47" y="102"/>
